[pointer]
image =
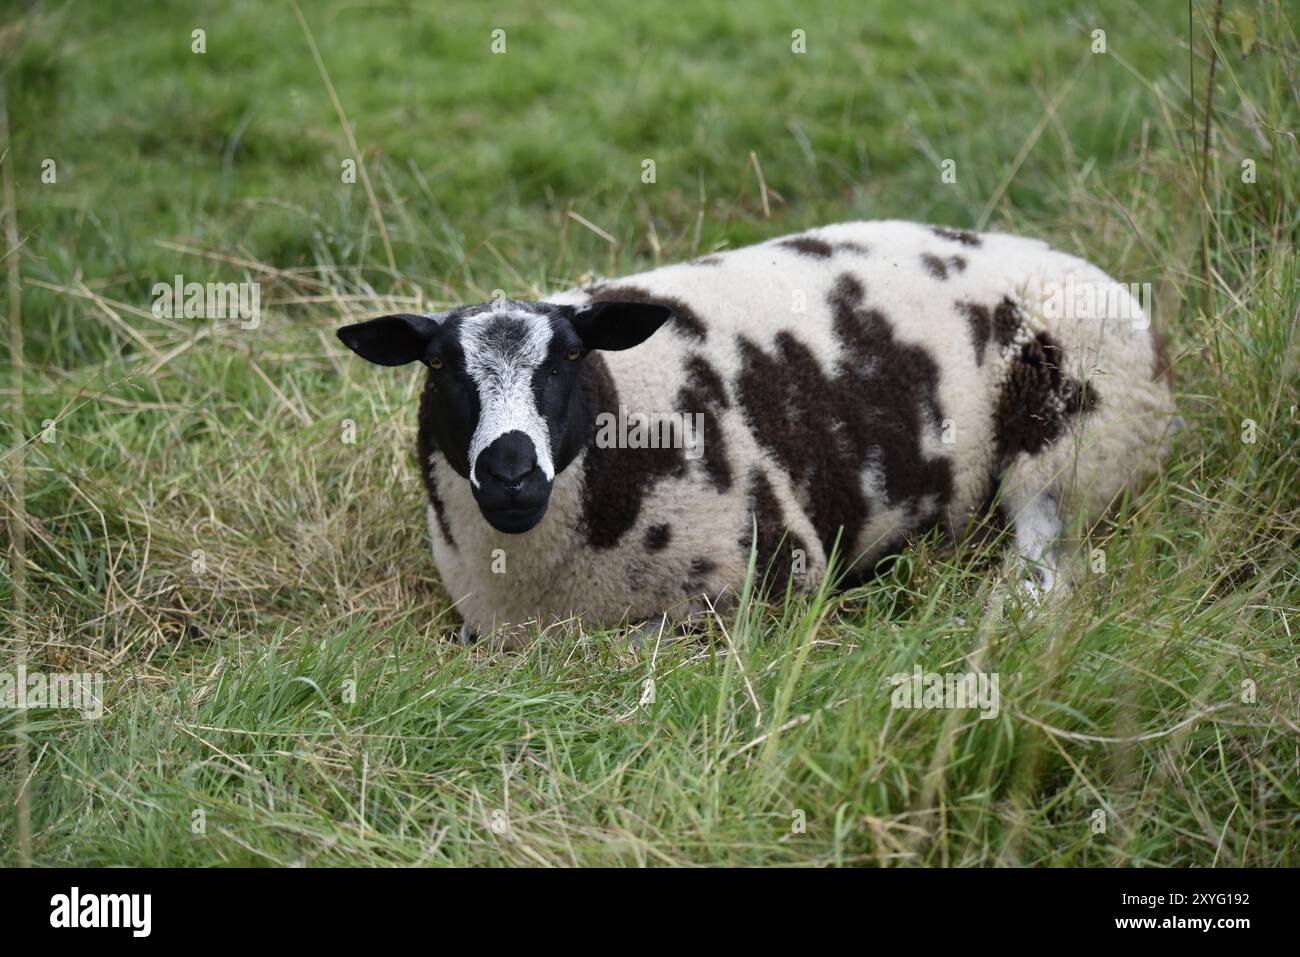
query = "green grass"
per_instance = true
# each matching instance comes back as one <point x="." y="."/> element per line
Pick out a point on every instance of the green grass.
<point x="259" y="592"/>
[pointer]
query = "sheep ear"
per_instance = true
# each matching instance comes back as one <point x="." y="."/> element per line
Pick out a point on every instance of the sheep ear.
<point x="617" y="325"/>
<point x="391" y="340"/>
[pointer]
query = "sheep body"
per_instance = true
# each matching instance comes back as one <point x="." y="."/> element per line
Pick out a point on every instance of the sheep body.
<point x="864" y="382"/>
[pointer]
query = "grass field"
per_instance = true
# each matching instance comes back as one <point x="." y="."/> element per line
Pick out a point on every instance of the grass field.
<point x="184" y="515"/>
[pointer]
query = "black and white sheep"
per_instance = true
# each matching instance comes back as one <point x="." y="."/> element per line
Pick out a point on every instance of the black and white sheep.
<point x="860" y="383"/>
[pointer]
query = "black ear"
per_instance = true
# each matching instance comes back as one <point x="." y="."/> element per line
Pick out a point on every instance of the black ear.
<point x="390" y="340"/>
<point x="617" y="325"/>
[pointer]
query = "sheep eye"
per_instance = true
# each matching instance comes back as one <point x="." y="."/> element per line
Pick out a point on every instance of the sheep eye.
<point x="573" y="355"/>
<point x="435" y="362"/>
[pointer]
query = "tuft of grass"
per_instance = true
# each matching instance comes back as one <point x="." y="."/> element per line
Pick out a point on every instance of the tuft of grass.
<point x="255" y="585"/>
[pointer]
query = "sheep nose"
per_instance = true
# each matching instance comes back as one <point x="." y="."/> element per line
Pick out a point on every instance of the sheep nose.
<point x="509" y="460"/>
<point x="512" y="480"/>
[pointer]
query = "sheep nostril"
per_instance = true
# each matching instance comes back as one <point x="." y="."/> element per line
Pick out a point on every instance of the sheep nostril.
<point x="512" y="479"/>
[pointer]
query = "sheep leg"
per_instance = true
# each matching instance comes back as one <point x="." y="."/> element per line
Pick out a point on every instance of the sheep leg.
<point x="1037" y="525"/>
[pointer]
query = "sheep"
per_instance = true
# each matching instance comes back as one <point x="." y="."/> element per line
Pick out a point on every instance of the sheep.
<point x="841" y="390"/>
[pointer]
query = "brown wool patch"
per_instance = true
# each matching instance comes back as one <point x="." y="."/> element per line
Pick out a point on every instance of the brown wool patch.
<point x="940" y="268"/>
<point x="684" y="320"/>
<point x="849" y="246"/>
<point x="1037" y="399"/>
<point x="821" y="249"/>
<point x="809" y="246"/>
<point x="935" y="266"/>
<point x="774" y="554"/>
<point x="1001" y="324"/>
<point x="706" y="393"/>
<point x="616" y="480"/>
<point x="1007" y="320"/>
<point x="980" y="322"/>
<point x="825" y="428"/>
<point x="963" y="236"/>
<point x="658" y="536"/>
<point x="425" y="447"/>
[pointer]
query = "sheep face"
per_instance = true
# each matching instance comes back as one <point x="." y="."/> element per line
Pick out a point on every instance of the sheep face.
<point x="505" y="390"/>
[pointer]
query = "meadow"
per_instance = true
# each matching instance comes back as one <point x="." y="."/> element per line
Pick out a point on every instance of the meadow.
<point x="227" y="523"/>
